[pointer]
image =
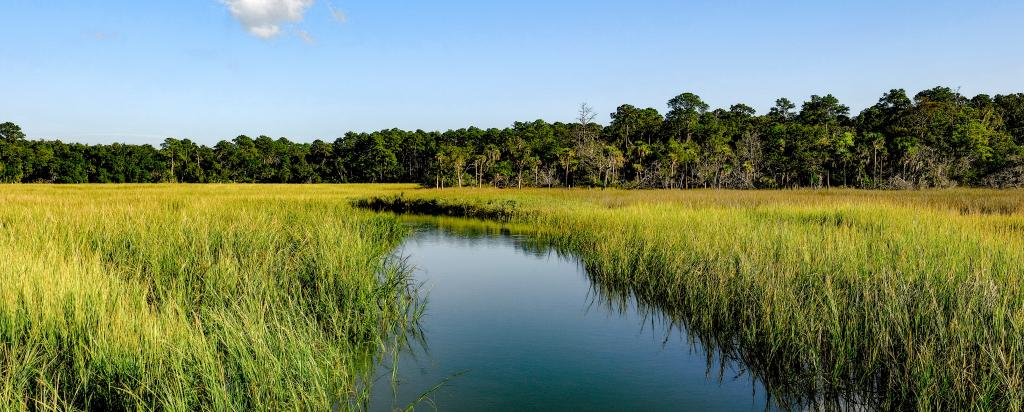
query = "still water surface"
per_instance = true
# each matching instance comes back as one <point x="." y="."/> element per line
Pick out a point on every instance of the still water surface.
<point x="516" y="327"/>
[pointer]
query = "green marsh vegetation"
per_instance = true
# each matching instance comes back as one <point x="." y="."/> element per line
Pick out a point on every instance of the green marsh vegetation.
<point x="196" y="298"/>
<point x="284" y="297"/>
<point x="890" y="300"/>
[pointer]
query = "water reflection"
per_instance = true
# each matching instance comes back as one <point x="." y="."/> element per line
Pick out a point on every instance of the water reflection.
<point x="790" y="382"/>
<point x="514" y="324"/>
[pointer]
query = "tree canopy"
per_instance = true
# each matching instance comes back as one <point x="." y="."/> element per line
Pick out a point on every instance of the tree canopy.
<point x="938" y="138"/>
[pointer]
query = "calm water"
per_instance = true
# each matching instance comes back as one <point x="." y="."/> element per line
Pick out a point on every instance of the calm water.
<point x="517" y="329"/>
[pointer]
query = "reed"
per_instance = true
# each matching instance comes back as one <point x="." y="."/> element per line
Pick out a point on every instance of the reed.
<point x="891" y="300"/>
<point x="218" y="297"/>
<point x="195" y="298"/>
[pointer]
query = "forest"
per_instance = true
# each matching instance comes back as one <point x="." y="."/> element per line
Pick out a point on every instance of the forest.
<point x="937" y="138"/>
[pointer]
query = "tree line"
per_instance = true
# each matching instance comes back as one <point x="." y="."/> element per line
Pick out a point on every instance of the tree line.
<point x="938" y="138"/>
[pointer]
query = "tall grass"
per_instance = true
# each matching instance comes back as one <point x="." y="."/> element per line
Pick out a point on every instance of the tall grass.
<point x="280" y="297"/>
<point x="890" y="299"/>
<point x="194" y="298"/>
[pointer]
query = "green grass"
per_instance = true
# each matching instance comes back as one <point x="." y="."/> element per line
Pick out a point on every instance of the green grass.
<point x="195" y="298"/>
<point x="221" y="297"/>
<point x="892" y="299"/>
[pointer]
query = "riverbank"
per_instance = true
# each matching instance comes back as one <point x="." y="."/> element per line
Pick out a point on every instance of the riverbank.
<point x="897" y="299"/>
<point x="276" y="297"/>
<point x="178" y="297"/>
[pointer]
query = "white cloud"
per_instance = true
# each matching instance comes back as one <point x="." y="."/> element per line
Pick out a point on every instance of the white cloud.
<point x="306" y="37"/>
<point x="339" y="16"/>
<point x="263" y="18"/>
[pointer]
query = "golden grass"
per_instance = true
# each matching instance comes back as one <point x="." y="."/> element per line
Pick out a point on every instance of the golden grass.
<point x="221" y="297"/>
<point x="193" y="297"/>
<point x="893" y="299"/>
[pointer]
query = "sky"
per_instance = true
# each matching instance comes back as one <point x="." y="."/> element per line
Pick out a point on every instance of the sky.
<point x="141" y="71"/>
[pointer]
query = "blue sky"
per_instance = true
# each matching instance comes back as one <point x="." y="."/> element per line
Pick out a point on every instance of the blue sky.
<point x="140" y="71"/>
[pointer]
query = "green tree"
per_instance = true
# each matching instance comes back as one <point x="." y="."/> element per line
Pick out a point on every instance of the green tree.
<point x="685" y="111"/>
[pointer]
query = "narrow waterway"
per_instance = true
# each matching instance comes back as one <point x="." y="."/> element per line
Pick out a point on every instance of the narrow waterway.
<point x="511" y="326"/>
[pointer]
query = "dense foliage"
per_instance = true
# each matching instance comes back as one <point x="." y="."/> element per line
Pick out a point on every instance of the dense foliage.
<point x="938" y="138"/>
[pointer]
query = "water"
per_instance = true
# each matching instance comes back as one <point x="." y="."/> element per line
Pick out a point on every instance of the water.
<point x="513" y="328"/>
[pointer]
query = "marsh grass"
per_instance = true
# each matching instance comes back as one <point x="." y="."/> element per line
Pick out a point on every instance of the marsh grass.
<point x="229" y="297"/>
<point x="195" y="298"/>
<point x="889" y="300"/>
